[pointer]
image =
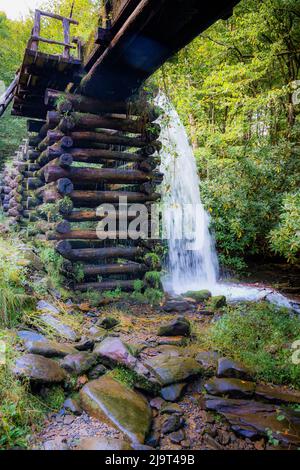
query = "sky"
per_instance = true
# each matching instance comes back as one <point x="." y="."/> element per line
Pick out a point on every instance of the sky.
<point x="16" y="8"/>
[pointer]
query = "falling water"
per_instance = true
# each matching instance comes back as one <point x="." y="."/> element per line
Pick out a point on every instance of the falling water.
<point x="192" y="258"/>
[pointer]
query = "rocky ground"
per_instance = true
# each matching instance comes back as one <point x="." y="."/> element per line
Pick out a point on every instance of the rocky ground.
<point x="135" y="377"/>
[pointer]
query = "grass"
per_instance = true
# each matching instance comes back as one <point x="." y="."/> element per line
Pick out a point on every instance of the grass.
<point x="21" y="412"/>
<point x="260" y="336"/>
<point x="13" y="297"/>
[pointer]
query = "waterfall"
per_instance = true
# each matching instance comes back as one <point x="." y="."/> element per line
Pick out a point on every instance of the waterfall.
<point x="192" y="259"/>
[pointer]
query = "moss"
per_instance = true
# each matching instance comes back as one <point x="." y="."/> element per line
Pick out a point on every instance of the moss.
<point x="153" y="280"/>
<point x="199" y="295"/>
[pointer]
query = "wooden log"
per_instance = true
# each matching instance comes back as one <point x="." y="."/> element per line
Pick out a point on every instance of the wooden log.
<point x="78" y="137"/>
<point x="105" y="285"/>
<point x="63" y="186"/>
<point x="88" y="235"/>
<point x="64" y="161"/>
<point x="95" y="175"/>
<point x="108" y="269"/>
<point x="33" y="183"/>
<point x="90" y="155"/>
<point x="53" y="137"/>
<point x="63" y="227"/>
<point x="92" y="121"/>
<point x="92" y="216"/>
<point x="64" y="248"/>
<point x="89" y="105"/>
<point x="94" y="198"/>
<point x="34" y="126"/>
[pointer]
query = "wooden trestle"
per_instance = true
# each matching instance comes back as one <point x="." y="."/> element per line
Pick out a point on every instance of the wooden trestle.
<point x="86" y="153"/>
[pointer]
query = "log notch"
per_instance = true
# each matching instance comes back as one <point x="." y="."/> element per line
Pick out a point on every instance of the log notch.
<point x="86" y="153"/>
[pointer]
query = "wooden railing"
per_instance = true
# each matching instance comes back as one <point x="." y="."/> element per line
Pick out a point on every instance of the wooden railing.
<point x="67" y="44"/>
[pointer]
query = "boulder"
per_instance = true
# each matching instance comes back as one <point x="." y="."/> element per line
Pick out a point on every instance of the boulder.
<point x="97" y="371"/>
<point x="85" y="344"/>
<point x="49" y="348"/>
<point x="60" y="328"/>
<point x="30" y="335"/>
<point x="72" y="405"/>
<point x="176" y="306"/>
<point x="79" y="362"/>
<point x="172" y="392"/>
<point x="110" y="401"/>
<point x="178" y="327"/>
<point x="39" y="369"/>
<point x="171" y="423"/>
<point x="218" y="301"/>
<point x="153" y="439"/>
<point x="46" y="307"/>
<point x="252" y="419"/>
<point x="113" y="352"/>
<point x="208" y="361"/>
<point x="157" y="403"/>
<point x="198" y="295"/>
<point x="177" y="436"/>
<point x="169" y="369"/>
<point x="233" y="388"/>
<point x="102" y="443"/>
<point x="171" y="408"/>
<point x="276" y="394"/>
<point x="232" y="369"/>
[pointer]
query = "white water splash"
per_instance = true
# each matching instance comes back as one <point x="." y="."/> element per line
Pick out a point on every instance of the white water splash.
<point x="192" y="260"/>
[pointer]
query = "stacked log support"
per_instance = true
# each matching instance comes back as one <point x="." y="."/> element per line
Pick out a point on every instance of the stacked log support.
<point x="83" y="154"/>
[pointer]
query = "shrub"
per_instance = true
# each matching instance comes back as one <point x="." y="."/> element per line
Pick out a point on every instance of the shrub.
<point x="285" y="238"/>
<point x="259" y="335"/>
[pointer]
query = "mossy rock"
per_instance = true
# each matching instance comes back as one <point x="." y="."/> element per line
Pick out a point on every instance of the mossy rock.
<point x="110" y="401"/>
<point x="218" y="301"/>
<point x="198" y="295"/>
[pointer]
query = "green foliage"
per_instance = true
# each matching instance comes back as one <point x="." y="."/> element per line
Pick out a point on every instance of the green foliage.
<point x="54" y="398"/>
<point x="152" y="278"/>
<point x="285" y="238"/>
<point x="259" y="335"/>
<point x="53" y="264"/>
<point x="153" y="260"/>
<point x="154" y="296"/>
<point x="232" y="87"/>
<point x="19" y="409"/>
<point x="13" y="298"/>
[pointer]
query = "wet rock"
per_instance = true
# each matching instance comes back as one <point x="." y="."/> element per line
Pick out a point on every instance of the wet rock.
<point x="102" y="443"/>
<point x="60" y="328"/>
<point x="169" y="370"/>
<point x="113" y="352"/>
<point x="39" y="369"/>
<point x="169" y="349"/>
<point x="46" y="307"/>
<point x="108" y="323"/>
<point x="49" y="348"/>
<point x="178" y="327"/>
<point x="198" y="295"/>
<point x="171" y="423"/>
<point x="276" y="394"/>
<point x="218" y="301"/>
<point x="171" y="408"/>
<point x="108" y="400"/>
<point x="79" y="362"/>
<point x="157" y="403"/>
<point x="55" y="444"/>
<point x="223" y="437"/>
<point x="85" y="344"/>
<point x="72" y="405"/>
<point x="233" y="388"/>
<point x="154" y="439"/>
<point x="68" y="420"/>
<point x="232" y="369"/>
<point x="30" y="335"/>
<point x="33" y="260"/>
<point x="208" y="361"/>
<point x="172" y="392"/>
<point x="252" y="419"/>
<point x="176" y="306"/>
<point x="97" y="372"/>
<point x="177" y="436"/>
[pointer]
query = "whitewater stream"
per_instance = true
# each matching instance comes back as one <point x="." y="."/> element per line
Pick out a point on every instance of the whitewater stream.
<point x="192" y="258"/>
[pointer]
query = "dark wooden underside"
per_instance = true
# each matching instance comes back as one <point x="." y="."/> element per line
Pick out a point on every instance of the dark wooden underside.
<point x="144" y="40"/>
